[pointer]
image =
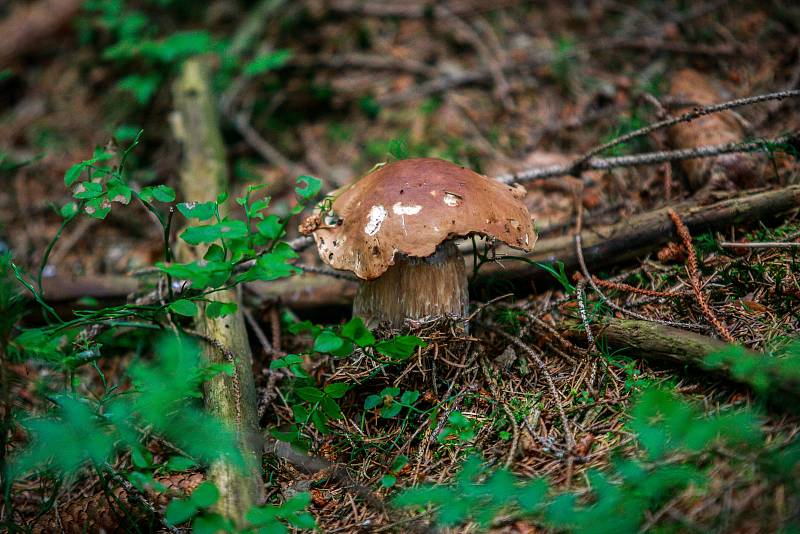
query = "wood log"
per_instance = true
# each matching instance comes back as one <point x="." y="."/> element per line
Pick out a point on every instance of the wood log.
<point x="652" y="341"/>
<point x="604" y="246"/>
<point x="204" y="175"/>
<point x="611" y="245"/>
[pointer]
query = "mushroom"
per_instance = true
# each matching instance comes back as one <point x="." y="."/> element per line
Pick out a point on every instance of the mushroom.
<point x="396" y="227"/>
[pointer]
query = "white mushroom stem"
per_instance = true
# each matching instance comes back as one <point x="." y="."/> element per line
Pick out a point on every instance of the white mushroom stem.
<point x="414" y="288"/>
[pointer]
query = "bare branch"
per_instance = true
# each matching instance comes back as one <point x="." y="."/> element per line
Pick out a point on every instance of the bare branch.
<point x="648" y="158"/>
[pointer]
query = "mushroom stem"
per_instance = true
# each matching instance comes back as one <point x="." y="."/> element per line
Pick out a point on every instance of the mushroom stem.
<point x="414" y="288"/>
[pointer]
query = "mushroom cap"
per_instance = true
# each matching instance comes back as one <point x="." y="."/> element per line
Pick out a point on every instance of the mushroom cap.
<point x="412" y="206"/>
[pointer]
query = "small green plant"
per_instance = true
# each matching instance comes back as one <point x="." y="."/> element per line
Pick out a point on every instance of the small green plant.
<point x="164" y="398"/>
<point x="619" y="498"/>
<point x="391" y="402"/>
<point x="87" y="430"/>
<point x="316" y="406"/>
<point x="458" y="428"/>
<point x="262" y="519"/>
<point x="390" y="479"/>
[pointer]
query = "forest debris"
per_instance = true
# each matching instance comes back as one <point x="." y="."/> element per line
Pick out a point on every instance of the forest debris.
<point x="23" y="30"/>
<point x="204" y="175"/>
<point x="93" y="513"/>
<point x="741" y="170"/>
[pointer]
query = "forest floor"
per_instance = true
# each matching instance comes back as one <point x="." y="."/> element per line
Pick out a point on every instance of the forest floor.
<point x="499" y="89"/>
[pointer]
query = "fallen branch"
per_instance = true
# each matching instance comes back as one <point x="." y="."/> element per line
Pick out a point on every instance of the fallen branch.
<point x="660" y="343"/>
<point x="648" y="158"/>
<point x="639" y="235"/>
<point x="415" y="9"/>
<point x="603" y="246"/>
<point x="23" y="30"/>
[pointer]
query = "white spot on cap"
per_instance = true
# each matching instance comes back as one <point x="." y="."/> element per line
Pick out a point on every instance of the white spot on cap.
<point x="452" y="200"/>
<point x="399" y="209"/>
<point x="377" y="214"/>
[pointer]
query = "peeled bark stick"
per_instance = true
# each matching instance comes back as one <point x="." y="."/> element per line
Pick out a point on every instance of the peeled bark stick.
<point x="232" y="398"/>
<point x="23" y="30"/>
<point x="740" y="169"/>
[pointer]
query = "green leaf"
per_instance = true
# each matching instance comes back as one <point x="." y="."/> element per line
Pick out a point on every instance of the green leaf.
<point x="118" y="192"/>
<point x="398" y="148"/>
<point x="390" y="392"/>
<point x="303" y="520"/>
<point x="142" y="87"/>
<point x="387" y="481"/>
<point x="274" y="265"/>
<point x="217" y="309"/>
<point x="179" y="511"/>
<point x="337" y="390"/>
<point x="214" y="253"/>
<point x="211" y="524"/>
<point x="399" y="463"/>
<point x="127" y="132"/>
<point x="399" y="347"/>
<point x="73" y="173"/>
<point x="355" y="331"/>
<point x="205" y="495"/>
<point x="300" y="327"/>
<point x="409" y="397"/>
<point x="208" y="233"/>
<point x="97" y="208"/>
<point x="259" y="515"/>
<point x="267" y="62"/>
<point x="202" y="211"/>
<point x="291" y="359"/>
<point x="86" y="190"/>
<point x="184" y="307"/>
<point x="309" y="187"/>
<point x="310" y="394"/>
<point x="201" y="275"/>
<point x="69" y="210"/>
<point x="372" y="402"/>
<point x="392" y="410"/>
<point x="270" y="227"/>
<point x="331" y="408"/>
<point x="180" y="463"/>
<point x="327" y="341"/>
<point x="320" y="421"/>
<point x="142" y="458"/>
<point x="162" y="193"/>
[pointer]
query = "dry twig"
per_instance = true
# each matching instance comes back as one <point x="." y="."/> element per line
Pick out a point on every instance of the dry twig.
<point x="694" y="277"/>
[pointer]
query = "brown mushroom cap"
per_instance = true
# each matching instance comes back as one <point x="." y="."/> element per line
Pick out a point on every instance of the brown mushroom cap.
<point x="414" y="205"/>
